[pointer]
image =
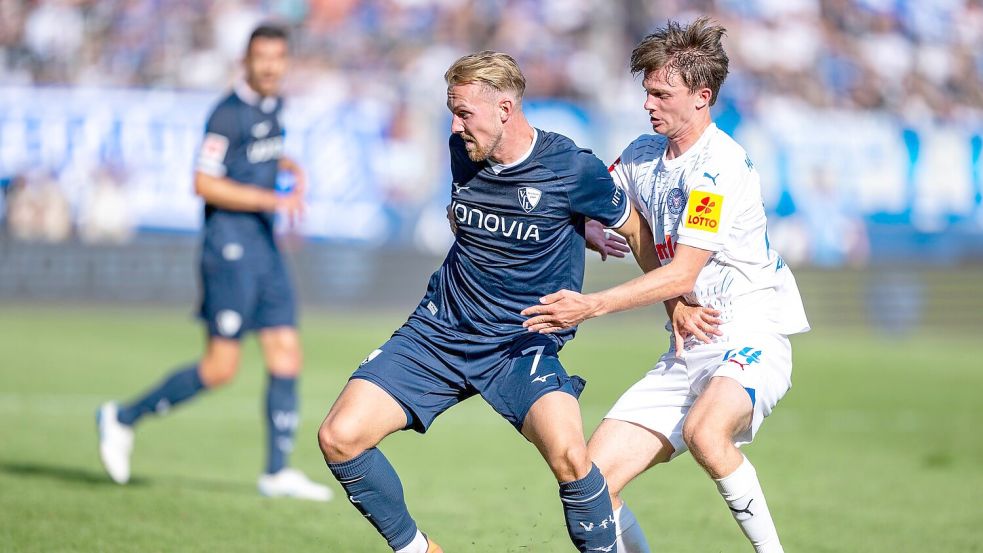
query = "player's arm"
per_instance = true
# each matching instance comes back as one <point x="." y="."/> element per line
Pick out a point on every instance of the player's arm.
<point x="233" y="195"/>
<point x="566" y="308"/>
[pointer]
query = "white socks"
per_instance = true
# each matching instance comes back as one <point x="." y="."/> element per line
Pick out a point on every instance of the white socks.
<point x="743" y="495"/>
<point x="631" y="539"/>
<point x="418" y="545"/>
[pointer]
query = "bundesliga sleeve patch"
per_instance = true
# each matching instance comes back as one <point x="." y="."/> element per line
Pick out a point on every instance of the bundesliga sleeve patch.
<point x="704" y="211"/>
<point x="211" y="158"/>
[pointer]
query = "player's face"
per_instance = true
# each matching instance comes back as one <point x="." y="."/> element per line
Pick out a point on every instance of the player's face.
<point x="670" y="104"/>
<point x="266" y="63"/>
<point x="476" y="118"/>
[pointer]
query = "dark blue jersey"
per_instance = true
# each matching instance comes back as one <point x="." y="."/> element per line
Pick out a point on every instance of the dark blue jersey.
<point x="520" y="236"/>
<point x="243" y="142"/>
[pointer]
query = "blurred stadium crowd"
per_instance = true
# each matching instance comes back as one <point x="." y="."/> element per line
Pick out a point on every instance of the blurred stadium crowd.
<point x="905" y="56"/>
<point x="904" y="76"/>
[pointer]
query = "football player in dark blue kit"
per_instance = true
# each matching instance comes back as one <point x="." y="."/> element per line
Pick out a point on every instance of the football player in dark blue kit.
<point x="245" y="286"/>
<point x="520" y="198"/>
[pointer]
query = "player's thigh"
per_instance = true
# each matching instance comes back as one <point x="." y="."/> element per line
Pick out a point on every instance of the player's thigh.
<point x="360" y="418"/>
<point x="553" y="424"/>
<point x="521" y="372"/>
<point x="220" y="362"/>
<point x="229" y="294"/>
<point x="623" y="450"/>
<point x="722" y="411"/>
<point x="276" y="304"/>
<point x="281" y="350"/>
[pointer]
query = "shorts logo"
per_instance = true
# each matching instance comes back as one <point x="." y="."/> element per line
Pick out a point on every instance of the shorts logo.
<point x="228" y="322"/>
<point x="704" y="211"/>
<point x="371" y="356"/>
<point x="529" y="198"/>
<point x="743" y="357"/>
<point x="674" y="201"/>
<point x="232" y="251"/>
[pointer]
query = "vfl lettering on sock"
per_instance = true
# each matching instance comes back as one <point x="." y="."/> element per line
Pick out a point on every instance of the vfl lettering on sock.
<point x="604" y="549"/>
<point x="285" y="420"/>
<point x="162" y="407"/>
<point x="603" y="524"/>
<point x="746" y="509"/>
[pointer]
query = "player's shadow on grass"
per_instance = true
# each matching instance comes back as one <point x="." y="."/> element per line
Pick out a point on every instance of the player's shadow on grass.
<point x="64" y="473"/>
<point x="88" y="477"/>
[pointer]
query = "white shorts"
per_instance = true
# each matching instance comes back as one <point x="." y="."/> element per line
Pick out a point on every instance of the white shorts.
<point x="660" y="401"/>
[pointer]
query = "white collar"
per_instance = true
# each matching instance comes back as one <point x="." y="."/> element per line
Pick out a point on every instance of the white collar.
<point x="266" y="104"/>
<point x="499" y="167"/>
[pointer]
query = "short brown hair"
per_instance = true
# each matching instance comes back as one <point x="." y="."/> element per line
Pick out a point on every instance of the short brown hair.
<point x="693" y="52"/>
<point x="494" y="69"/>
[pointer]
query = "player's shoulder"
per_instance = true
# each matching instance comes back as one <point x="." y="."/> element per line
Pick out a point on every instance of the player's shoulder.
<point x="725" y="152"/>
<point x="644" y="149"/>
<point x="228" y="104"/>
<point x="561" y="155"/>
<point x="225" y="113"/>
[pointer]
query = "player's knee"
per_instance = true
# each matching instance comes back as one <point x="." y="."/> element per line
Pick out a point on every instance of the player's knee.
<point x="704" y="440"/>
<point x="217" y="371"/>
<point x="341" y="439"/>
<point x="285" y="363"/>
<point x="570" y="463"/>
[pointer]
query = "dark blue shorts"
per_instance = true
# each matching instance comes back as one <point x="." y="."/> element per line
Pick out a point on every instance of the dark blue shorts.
<point x="429" y="374"/>
<point x="244" y="287"/>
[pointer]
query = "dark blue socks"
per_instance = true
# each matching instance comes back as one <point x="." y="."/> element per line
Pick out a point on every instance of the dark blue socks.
<point x="375" y="490"/>
<point x="587" y="508"/>
<point x="179" y="386"/>
<point x="281" y="421"/>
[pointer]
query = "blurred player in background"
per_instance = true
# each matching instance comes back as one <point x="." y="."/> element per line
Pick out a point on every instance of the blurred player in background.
<point x="245" y="286"/>
<point x="520" y="199"/>
<point x="701" y="195"/>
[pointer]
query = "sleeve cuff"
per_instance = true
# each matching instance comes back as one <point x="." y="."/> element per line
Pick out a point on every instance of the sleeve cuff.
<point x="694" y="242"/>
<point x="624" y="216"/>
<point x="210" y="168"/>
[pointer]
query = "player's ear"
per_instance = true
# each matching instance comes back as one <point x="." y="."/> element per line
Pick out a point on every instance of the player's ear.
<point x="505" y="107"/>
<point x="703" y="97"/>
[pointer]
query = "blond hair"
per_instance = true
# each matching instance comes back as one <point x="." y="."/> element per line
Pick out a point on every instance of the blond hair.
<point x="492" y="69"/>
<point x="693" y="52"/>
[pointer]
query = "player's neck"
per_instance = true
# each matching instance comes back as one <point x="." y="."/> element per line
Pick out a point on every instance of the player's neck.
<point x="515" y="143"/>
<point x="686" y="137"/>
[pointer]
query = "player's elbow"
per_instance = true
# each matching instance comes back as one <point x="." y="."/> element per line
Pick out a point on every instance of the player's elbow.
<point x="681" y="284"/>
<point x="203" y="184"/>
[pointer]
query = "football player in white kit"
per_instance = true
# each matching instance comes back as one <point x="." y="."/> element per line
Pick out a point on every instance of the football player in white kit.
<point x="701" y="196"/>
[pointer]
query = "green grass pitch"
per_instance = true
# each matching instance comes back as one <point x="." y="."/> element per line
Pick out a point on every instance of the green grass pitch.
<point x="878" y="447"/>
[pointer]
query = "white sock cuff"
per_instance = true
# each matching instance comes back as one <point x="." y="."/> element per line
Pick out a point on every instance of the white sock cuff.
<point x="738" y="483"/>
<point x="418" y="545"/>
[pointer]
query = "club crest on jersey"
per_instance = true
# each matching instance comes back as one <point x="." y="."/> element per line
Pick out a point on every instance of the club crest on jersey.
<point x="529" y="198"/>
<point x="262" y="129"/>
<point x="674" y="201"/>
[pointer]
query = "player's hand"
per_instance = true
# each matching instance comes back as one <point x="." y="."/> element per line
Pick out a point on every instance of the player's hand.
<point x="694" y="320"/>
<point x="560" y="310"/>
<point x="451" y="220"/>
<point x="603" y="241"/>
<point x="292" y="205"/>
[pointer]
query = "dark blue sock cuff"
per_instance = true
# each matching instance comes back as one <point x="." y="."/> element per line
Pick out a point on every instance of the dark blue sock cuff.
<point x="355" y="467"/>
<point x="282" y="384"/>
<point x="194" y="377"/>
<point x="587" y="486"/>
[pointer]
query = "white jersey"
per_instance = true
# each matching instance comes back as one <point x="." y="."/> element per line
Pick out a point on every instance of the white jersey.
<point x="710" y="198"/>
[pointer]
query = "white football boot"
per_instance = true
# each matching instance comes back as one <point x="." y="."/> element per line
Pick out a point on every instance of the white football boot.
<point x="115" y="443"/>
<point x="293" y="483"/>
